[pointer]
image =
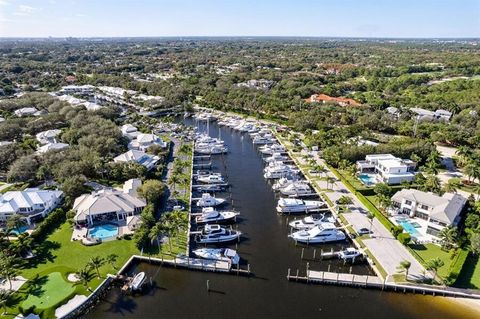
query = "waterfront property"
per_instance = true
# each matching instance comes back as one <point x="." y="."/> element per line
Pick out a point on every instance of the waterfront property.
<point x="106" y="205"/>
<point x="385" y="168"/>
<point x="425" y="214"/>
<point x="143" y="141"/>
<point x="33" y="204"/>
<point x="142" y="158"/>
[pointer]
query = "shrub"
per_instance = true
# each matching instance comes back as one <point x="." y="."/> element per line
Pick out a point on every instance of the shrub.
<point x="49" y="224"/>
<point x="404" y="238"/>
<point x="397" y="230"/>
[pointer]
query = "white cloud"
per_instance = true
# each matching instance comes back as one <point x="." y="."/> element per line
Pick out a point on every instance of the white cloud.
<point x="24" y="10"/>
<point x="4" y="2"/>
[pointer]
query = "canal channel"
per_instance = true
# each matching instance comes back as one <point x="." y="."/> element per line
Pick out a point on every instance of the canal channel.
<point x="179" y="293"/>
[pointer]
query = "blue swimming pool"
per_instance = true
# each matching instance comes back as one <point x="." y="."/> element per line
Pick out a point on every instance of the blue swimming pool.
<point x="19" y="230"/>
<point x="103" y="231"/>
<point x="367" y="179"/>
<point x="409" y="227"/>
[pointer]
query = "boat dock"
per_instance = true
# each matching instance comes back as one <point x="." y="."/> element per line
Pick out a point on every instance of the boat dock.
<point x="202" y="165"/>
<point x="375" y="282"/>
<point x="224" y="185"/>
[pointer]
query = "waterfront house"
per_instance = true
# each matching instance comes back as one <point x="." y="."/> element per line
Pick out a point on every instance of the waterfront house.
<point x="438" y="211"/>
<point x="32" y="203"/>
<point x="386" y="168"/>
<point x="106" y="205"/>
<point x="323" y="98"/>
<point x="143" y="141"/>
<point x="147" y="160"/>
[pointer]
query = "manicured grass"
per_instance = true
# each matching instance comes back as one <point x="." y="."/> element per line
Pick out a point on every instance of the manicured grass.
<point x="470" y="274"/>
<point x="53" y="291"/>
<point x="426" y="252"/>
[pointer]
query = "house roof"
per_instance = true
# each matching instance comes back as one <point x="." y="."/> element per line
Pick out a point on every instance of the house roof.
<point x="327" y="98"/>
<point x="12" y="201"/>
<point x="51" y="146"/>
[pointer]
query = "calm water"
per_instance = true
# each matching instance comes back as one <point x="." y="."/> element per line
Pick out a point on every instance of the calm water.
<point x="183" y="294"/>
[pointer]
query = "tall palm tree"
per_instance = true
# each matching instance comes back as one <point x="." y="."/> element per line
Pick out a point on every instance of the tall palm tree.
<point x="155" y="232"/>
<point x="96" y="262"/>
<point x="405" y="266"/>
<point x="434" y="265"/>
<point x="84" y="277"/>
<point x="4" y="298"/>
<point x="472" y="170"/>
<point x="451" y="185"/>
<point x="8" y="268"/>
<point x="370" y="216"/>
<point x="15" y="222"/>
<point x="463" y="152"/>
<point x="112" y="259"/>
<point x="330" y="180"/>
<point x="448" y="236"/>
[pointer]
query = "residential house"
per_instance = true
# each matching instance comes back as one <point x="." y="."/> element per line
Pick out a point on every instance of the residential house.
<point x="427" y="115"/>
<point x="130" y="187"/>
<point x="26" y="111"/>
<point x="78" y="89"/>
<point x="129" y="131"/>
<point x="387" y="168"/>
<point x="49" y="136"/>
<point x="106" y="205"/>
<point x="143" y="141"/>
<point x="142" y="158"/>
<point x="256" y="84"/>
<point x="33" y="204"/>
<point x="438" y="211"/>
<point x="323" y="98"/>
<point x="51" y="147"/>
<point x="392" y="110"/>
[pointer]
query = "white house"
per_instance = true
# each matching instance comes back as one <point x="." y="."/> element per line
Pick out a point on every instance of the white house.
<point x="143" y="141"/>
<point x="106" y="205"/>
<point x="129" y="131"/>
<point x="427" y="115"/>
<point x="32" y="203"/>
<point x="26" y="111"/>
<point x="149" y="161"/>
<point x="51" y="147"/>
<point x="46" y="137"/>
<point x="387" y="168"/>
<point x="130" y="187"/>
<point x="438" y="211"/>
<point x="78" y="89"/>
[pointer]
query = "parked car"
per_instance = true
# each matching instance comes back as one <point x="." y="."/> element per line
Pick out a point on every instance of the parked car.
<point x="364" y="231"/>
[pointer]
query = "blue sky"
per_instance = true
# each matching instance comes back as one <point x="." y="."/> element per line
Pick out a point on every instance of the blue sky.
<point x="360" y="18"/>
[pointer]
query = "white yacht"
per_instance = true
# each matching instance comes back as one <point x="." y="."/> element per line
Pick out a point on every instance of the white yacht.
<point x="297" y="189"/>
<point x="293" y="205"/>
<point x="208" y="200"/>
<point x="270" y="149"/>
<point x="214" y="178"/>
<point x="262" y="140"/>
<point x="216" y="234"/>
<point x="138" y="281"/>
<point x="323" y="233"/>
<point x="310" y="221"/>
<point x="284" y="182"/>
<point x="276" y="157"/>
<point x="211" y="150"/>
<point x="210" y="215"/>
<point x="221" y="254"/>
<point x="278" y="170"/>
<point x="349" y="253"/>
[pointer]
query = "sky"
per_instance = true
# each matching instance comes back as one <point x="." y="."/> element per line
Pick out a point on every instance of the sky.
<point x="322" y="18"/>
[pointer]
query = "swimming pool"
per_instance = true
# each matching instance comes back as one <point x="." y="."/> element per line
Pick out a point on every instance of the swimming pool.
<point x="409" y="227"/>
<point x="19" y="230"/>
<point x="367" y="179"/>
<point x="103" y="231"/>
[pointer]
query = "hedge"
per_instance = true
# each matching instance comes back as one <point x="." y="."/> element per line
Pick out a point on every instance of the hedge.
<point x="456" y="266"/>
<point x="49" y="224"/>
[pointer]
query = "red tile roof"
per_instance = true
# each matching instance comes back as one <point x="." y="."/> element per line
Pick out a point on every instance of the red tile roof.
<point x="326" y="98"/>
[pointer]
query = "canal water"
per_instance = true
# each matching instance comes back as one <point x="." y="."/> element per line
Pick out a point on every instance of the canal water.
<point x="265" y="245"/>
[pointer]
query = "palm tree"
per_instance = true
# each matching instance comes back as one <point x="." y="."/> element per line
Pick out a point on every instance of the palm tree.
<point x="112" y="259"/>
<point x="476" y="189"/>
<point x="448" y="236"/>
<point x="405" y="266"/>
<point x="84" y="277"/>
<point x="15" y="222"/>
<point x="4" y="298"/>
<point x="155" y="232"/>
<point x="370" y="216"/>
<point x="434" y="157"/>
<point x="472" y="170"/>
<point x="434" y="265"/>
<point x="330" y="180"/>
<point x="451" y="185"/>
<point x="174" y="180"/>
<point x="464" y="152"/>
<point x="23" y="243"/>
<point x="384" y="202"/>
<point x="431" y="168"/>
<point x="96" y="262"/>
<point x="8" y="269"/>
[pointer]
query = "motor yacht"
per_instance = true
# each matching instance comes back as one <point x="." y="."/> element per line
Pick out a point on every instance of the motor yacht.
<point x="310" y="221"/>
<point x="293" y="205"/>
<point x="210" y="188"/>
<point x="326" y="232"/>
<point x="211" y="150"/>
<point x="208" y="200"/>
<point x="272" y="148"/>
<point x="210" y="215"/>
<point x="220" y="254"/>
<point x="276" y="157"/>
<point x="349" y="253"/>
<point x="211" y="179"/>
<point x="262" y="140"/>
<point x="283" y="182"/>
<point x="138" y="281"/>
<point x="297" y="189"/>
<point x="216" y="234"/>
<point x="279" y="170"/>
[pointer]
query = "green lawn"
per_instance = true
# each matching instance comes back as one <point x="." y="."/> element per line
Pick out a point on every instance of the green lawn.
<point x="427" y="252"/>
<point x="54" y="289"/>
<point x="470" y="274"/>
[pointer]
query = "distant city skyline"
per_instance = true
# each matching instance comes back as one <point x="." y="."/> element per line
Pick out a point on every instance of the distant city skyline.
<point x="339" y="18"/>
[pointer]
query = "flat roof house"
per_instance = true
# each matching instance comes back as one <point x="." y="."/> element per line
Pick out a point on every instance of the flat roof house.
<point x="387" y="168"/>
<point x="26" y="111"/>
<point x="147" y="160"/>
<point x="32" y="203"/>
<point x="438" y="211"/>
<point x="106" y="205"/>
<point x="51" y="147"/>
<point x="129" y="131"/>
<point x="78" y="89"/>
<point x="46" y="137"/>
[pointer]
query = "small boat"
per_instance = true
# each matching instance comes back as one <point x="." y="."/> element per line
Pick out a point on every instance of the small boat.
<point x="138" y="281"/>
<point x="211" y="234"/>
<point x="293" y="205"/>
<point x="210" y="215"/>
<point x="211" y="179"/>
<point x="221" y="254"/>
<point x="307" y="222"/>
<point x="208" y="200"/>
<point x="349" y="253"/>
<point x="324" y="233"/>
<point x="210" y="188"/>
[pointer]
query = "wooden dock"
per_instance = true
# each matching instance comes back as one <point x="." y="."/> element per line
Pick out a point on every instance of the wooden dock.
<point x="202" y="165"/>
<point x="375" y="282"/>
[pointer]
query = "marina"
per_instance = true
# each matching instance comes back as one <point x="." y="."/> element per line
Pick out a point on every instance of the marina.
<point x="253" y="196"/>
